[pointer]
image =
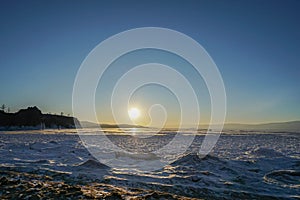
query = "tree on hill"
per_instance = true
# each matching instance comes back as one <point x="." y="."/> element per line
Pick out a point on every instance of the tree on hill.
<point x="3" y="107"/>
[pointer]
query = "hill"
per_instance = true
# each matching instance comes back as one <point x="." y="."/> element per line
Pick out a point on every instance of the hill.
<point x="33" y="118"/>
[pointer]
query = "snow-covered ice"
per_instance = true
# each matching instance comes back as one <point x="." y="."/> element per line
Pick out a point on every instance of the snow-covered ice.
<point x="241" y="166"/>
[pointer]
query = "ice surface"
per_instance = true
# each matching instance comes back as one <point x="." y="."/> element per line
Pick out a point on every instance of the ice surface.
<point x="241" y="166"/>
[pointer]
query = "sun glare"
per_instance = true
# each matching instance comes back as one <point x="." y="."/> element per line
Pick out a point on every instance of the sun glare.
<point x="134" y="113"/>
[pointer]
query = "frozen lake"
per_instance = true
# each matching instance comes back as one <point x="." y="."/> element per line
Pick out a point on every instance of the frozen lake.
<point x="241" y="166"/>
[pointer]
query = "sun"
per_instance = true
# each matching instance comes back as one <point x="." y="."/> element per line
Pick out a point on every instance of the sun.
<point x="133" y="113"/>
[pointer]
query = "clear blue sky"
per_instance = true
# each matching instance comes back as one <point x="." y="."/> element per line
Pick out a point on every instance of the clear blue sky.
<point x="255" y="44"/>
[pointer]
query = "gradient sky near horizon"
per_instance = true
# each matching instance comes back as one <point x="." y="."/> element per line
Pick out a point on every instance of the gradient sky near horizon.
<point x="255" y="45"/>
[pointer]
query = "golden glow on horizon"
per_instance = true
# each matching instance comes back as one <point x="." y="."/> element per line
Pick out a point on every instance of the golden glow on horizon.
<point x="134" y="113"/>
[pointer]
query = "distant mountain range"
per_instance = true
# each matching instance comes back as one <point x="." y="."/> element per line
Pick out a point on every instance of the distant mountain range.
<point x="86" y="124"/>
<point x="276" y="126"/>
<point x="291" y="126"/>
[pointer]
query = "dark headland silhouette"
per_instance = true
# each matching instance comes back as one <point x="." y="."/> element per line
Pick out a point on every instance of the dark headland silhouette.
<point x="33" y="118"/>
